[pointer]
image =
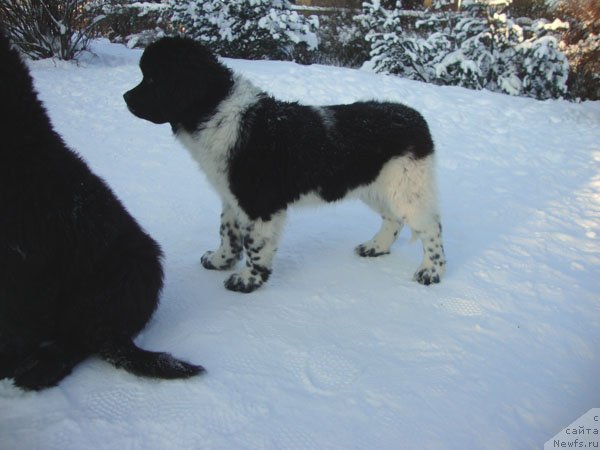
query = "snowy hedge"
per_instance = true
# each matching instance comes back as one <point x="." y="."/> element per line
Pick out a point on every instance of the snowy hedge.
<point x="341" y="41"/>
<point x="478" y="49"/>
<point x="252" y="29"/>
<point x="46" y="29"/>
<point x="136" y="23"/>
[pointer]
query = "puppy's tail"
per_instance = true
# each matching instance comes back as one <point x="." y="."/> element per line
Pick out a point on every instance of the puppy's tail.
<point x="128" y="356"/>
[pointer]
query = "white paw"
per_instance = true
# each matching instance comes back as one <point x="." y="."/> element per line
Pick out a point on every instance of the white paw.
<point x="370" y="250"/>
<point x="248" y="280"/>
<point x="218" y="261"/>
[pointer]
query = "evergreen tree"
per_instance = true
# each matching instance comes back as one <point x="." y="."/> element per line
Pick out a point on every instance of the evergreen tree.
<point x="477" y="48"/>
<point x="251" y="29"/>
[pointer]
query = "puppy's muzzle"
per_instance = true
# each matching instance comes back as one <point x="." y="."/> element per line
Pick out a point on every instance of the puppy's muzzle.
<point x="127" y="98"/>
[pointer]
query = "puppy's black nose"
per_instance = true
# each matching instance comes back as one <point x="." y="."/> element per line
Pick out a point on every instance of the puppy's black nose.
<point x="127" y="96"/>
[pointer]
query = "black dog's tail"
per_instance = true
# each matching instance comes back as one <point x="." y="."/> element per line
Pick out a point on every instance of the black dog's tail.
<point x="145" y="363"/>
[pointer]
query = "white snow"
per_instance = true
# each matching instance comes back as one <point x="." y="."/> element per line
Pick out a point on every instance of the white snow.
<point x="335" y="351"/>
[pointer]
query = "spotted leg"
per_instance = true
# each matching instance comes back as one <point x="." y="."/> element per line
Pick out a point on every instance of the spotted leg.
<point x="230" y="250"/>
<point x="382" y="241"/>
<point x="408" y="187"/>
<point x="434" y="260"/>
<point x="260" y="243"/>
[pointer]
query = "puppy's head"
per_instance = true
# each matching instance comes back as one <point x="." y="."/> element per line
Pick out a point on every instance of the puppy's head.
<point x="181" y="79"/>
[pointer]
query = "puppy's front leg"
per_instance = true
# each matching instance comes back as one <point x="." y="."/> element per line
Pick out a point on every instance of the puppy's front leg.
<point x="260" y="243"/>
<point x="230" y="250"/>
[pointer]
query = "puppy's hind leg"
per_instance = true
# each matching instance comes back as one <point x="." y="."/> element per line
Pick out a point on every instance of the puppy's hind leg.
<point x="382" y="241"/>
<point x="260" y="243"/>
<point x="409" y="186"/>
<point x="434" y="262"/>
<point x="230" y="250"/>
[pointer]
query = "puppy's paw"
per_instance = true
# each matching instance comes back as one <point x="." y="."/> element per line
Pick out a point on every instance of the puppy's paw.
<point x="237" y="283"/>
<point x="218" y="261"/>
<point x="367" y="250"/>
<point x="248" y="280"/>
<point x="427" y="275"/>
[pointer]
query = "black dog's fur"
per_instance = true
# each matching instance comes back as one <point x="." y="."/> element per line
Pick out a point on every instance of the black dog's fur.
<point x="266" y="180"/>
<point x="263" y="155"/>
<point x="78" y="275"/>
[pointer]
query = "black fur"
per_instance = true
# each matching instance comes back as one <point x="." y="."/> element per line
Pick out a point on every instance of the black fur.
<point x="286" y="150"/>
<point x="78" y="275"/>
<point x="179" y="96"/>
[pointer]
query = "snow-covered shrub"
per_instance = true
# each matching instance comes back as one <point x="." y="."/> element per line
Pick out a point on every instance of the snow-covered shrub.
<point x="136" y="23"/>
<point x="341" y="41"/>
<point x="546" y="68"/>
<point x="479" y="49"/>
<point x="251" y="29"/>
<point x="45" y="29"/>
<point x="392" y="51"/>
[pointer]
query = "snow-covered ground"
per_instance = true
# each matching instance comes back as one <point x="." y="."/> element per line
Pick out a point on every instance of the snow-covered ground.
<point x="339" y="352"/>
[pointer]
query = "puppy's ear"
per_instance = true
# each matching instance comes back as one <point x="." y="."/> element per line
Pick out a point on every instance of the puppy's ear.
<point x="195" y="55"/>
<point x="202" y="52"/>
<point x="203" y="65"/>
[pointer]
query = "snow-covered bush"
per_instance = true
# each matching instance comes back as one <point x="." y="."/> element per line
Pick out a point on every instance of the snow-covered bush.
<point x="478" y="49"/>
<point x="45" y="29"/>
<point x="136" y="23"/>
<point x="341" y="41"/>
<point x="251" y="29"/>
<point x="546" y="68"/>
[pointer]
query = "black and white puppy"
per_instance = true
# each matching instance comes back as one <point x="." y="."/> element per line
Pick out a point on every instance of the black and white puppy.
<point x="263" y="155"/>
<point x="78" y="275"/>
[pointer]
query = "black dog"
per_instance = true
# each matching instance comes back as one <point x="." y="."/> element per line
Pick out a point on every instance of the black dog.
<point x="78" y="275"/>
<point x="263" y="155"/>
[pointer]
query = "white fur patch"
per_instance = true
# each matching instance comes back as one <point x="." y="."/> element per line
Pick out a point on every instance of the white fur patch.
<point x="211" y="143"/>
<point x="407" y="187"/>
